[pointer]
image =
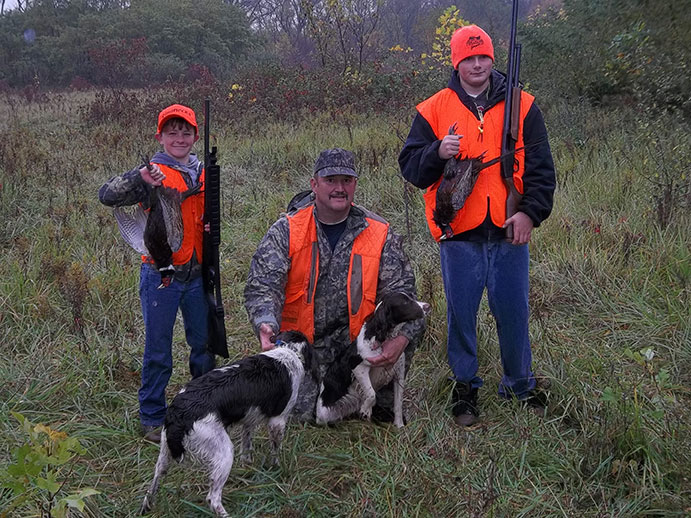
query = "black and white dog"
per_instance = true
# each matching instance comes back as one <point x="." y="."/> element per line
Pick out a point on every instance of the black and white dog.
<point x="350" y="382"/>
<point x="258" y="389"/>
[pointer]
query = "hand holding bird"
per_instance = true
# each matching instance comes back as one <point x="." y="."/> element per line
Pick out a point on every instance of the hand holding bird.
<point x="152" y="174"/>
<point x="450" y="144"/>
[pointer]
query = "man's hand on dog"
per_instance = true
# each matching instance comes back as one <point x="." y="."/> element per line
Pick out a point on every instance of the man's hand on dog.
<point x="266" y="333"/>
<point x="391" y="351"/>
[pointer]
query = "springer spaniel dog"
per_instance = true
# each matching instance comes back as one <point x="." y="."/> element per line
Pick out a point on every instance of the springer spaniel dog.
<point x="350" y="382"/>
<point x="258" y="389"/>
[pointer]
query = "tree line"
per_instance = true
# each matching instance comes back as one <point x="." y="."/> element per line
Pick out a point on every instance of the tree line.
<point x="630" y="51"/>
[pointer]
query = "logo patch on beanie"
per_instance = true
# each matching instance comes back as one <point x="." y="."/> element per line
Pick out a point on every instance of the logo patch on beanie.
<point x="474" y="42"/>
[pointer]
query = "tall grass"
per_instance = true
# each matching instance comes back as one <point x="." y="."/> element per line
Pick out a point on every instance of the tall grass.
<point x="610" y="281"/>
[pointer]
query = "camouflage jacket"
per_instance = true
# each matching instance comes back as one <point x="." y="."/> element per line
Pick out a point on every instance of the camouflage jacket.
<point x="129" y="188"/>
<point x="265" y="289"/>
<point x="126" y="189"/>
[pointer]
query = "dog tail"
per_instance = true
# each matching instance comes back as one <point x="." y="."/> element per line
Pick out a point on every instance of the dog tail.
<point x="175" y="432"/>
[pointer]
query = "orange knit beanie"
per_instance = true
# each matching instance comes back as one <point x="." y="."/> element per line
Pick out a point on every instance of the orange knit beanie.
<point x="468" y="41"/>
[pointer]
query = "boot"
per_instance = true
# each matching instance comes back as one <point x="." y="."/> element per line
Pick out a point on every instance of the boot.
<point x="151" y="433"/>
<point x="465" y="409"/>
<point x="536" y="402"/>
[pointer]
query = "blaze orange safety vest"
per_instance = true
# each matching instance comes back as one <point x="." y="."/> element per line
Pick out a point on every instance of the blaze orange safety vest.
<point x="192" y="210"/>
<point x="441" y="111"/>
<point x="363" y="273"/>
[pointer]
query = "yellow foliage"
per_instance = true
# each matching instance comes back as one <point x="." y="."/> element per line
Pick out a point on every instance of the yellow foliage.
<point x="449" y="22"/>
<point x="53" y="435"/>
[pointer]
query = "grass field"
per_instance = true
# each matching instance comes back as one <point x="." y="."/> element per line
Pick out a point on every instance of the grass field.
<point x="611" y="327"/>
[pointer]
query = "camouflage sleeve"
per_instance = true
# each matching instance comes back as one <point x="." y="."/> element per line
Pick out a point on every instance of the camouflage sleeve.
<point x="396" y="275"/>
<point x="265" y="288"/>
<point x="126" y="189"/>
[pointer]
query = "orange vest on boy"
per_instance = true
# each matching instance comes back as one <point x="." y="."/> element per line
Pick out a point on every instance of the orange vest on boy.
<point x="192" y="210"/>
<point x="363" y="273"/>
<point x="441" y="111"/>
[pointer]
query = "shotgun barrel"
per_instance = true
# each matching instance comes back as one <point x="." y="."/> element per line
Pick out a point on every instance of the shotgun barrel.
<point x="512" y="107"/>
<point x="217" y="342"/>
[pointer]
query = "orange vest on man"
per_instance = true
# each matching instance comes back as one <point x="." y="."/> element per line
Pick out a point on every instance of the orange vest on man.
<point x="192" y="210"/>
<point x="443" y="110"/>
<point x="363" y="273"/>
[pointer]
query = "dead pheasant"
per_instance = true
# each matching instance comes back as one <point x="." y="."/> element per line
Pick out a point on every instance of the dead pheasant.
<point x="457" y="182"/>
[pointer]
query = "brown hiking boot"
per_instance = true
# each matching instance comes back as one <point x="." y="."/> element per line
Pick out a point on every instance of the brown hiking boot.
<point x="151" y="433"/>
<point x="465" y="410"/>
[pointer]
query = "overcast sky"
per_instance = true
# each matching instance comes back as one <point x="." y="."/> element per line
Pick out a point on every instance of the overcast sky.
<point x="10" y="4"/>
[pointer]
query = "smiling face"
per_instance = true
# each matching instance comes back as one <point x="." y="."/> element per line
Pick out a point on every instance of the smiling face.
<point x="474" y="73"/>
<point x="177" y="138"/>
<point x="333" y="196"/>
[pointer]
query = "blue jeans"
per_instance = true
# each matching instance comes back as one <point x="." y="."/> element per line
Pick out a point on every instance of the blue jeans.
<point x="467" y="269"/>
<point x="160" y="308"/>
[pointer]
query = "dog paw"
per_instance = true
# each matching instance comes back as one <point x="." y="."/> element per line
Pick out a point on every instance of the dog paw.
<point x="146" y="506"/>
<point x="217" y="508"/>
<point x="366" y="415"/>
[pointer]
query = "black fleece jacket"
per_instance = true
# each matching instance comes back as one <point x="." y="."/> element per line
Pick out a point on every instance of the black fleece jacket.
<point x="420" y="163"/>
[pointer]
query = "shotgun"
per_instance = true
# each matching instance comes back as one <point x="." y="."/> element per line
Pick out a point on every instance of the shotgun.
<point x="217" y="343"/>
<point x="512" y="108"/>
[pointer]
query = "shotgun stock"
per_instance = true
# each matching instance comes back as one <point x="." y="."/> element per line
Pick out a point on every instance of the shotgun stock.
<point x="217" y="343"/>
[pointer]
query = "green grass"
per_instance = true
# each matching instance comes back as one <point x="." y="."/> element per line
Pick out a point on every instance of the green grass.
<point x="609" y="279"/>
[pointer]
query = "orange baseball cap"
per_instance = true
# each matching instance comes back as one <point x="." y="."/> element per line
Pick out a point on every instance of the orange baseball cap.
<point x="469" y="41"/>
<point x="177" y="111"/>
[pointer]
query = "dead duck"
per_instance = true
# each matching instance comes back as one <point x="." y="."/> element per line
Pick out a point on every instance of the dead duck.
<point x="164" y="231"/>
<point x="157" y="232"/>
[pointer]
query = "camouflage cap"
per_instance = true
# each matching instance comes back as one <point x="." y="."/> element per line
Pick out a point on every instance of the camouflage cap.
<point x="335" y="161"/>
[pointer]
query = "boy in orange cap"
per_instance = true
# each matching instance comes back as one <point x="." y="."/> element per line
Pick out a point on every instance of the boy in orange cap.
<point x="477" y="256"/>
<point x="177" y="167"/>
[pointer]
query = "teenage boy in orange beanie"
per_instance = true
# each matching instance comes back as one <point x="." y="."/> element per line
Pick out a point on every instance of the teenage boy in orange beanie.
<point x="176" y="167"/>
<point x="477" y="256"/>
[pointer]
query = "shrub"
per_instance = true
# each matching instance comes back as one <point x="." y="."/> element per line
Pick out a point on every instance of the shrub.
<point x="41" y="471"/>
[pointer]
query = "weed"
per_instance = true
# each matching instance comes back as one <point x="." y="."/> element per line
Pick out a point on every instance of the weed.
<point x="43" y="467"/>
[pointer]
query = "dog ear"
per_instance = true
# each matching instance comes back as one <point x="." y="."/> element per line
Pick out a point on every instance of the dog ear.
<point x="354" y="360"/>
<point x="308" y="359"/>
<point x="338" y="377"/>
<point x="380" y="322"/>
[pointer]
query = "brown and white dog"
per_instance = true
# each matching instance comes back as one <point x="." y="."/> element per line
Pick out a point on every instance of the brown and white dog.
<point x="258" y="389"/>
<point x="350" y="383"/>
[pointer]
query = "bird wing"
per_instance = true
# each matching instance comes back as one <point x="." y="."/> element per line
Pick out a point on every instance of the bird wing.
<point x="465" y="181"/>
<point x="172" y="216"/>
<point x="131" y="222"/>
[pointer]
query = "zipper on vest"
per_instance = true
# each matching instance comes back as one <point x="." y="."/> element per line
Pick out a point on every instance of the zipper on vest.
<point x="481" y="117"/>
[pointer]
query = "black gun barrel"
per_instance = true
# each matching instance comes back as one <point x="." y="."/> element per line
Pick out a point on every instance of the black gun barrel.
<point x="217" y="342"/>
<point x="508" y="142"/>
<point x="511" y="115"/>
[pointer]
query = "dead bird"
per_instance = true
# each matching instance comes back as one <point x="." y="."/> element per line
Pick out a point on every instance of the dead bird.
<point x="163" y="231"/>
<point x="156" y="232"/>
<point x="458" y="180"/>
<point x="457" y="183"/>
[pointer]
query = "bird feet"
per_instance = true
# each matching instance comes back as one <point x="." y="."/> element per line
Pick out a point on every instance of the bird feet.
<point x="167" y="273"/>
